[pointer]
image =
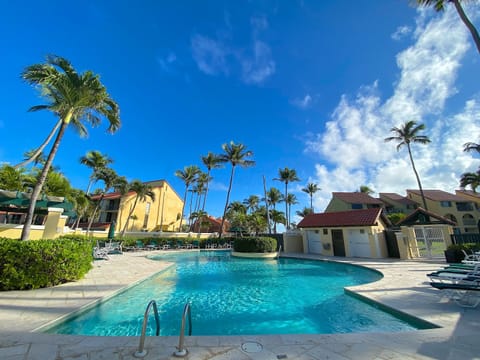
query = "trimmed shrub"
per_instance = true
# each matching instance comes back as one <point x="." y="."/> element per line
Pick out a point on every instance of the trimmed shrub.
<point x="255" y="245"/>
<point x="42" y="263"/>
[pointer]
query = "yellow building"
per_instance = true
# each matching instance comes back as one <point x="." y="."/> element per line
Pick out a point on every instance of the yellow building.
<point x="162" y="214"/>
<point x="459" y="209"/>
<point x="345" y="201"/>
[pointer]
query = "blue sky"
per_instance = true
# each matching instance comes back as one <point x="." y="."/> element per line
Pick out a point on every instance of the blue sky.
<point x="310" y="85"/>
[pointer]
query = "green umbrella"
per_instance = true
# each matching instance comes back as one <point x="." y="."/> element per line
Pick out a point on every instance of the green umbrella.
<point x="111" y="231"/>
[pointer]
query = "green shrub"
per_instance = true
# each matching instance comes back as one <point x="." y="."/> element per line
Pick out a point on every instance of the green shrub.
<point x="255" y="244"/>
<point x="41" y="263"/>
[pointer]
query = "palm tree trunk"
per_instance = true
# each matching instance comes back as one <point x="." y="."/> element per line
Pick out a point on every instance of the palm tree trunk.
<point x="132" y="209"/>
<point x="90" y="222"/>
<point x="41" y="147"/>
<point x="183" y="209"/>
<point x="311" y="202"/>
<point x="418" y="178"/>
<point x="226" y="203"/>
<point x="41" y="181"/>
<point x="468" y="23"/>
<point x="206" y="191"/>
<point x="286" y="204"/>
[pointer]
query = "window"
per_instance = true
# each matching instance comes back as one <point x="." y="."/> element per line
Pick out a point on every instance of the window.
<point x="325" y="231"/>
<point x="357" y="206"/>
<point x="362" y="231"/>
<point x="445" y="203"/>
<point x="464" y="206"/>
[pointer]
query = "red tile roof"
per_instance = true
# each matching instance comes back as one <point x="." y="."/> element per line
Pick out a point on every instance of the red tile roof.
<point x="364" y="217"/>
<point x="397" y="198"/>
<point x="356" y="198"/>
<point x="438" y="195"/>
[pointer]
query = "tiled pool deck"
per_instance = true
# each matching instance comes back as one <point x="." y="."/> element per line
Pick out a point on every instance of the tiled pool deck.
<point x="404" y="288"/>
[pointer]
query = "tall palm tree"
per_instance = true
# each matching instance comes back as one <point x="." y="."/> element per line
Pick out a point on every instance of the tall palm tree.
<point x="188" y="175"/>
<point x="211" y="161"/>
<point x="236" y="155"/>
<point x="471" y="146"/>
<point x="278" y="217"/>
<point x="311" y="189"/>
<point x="95" y="160"/>
<point x="470" y="179"/>
<point x="407" y="134"/>
<point x="76" y="99"/>
<point x="439" y="5"/>
<point x="142" y="192"/>
<point x="365" y="190"/>
<point x="287" y="176"/>
<point x="306" y="211"/>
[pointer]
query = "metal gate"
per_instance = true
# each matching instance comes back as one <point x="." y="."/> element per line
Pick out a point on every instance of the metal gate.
<point x="430" y="241"/>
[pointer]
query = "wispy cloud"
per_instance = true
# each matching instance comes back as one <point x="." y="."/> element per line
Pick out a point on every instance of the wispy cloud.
<point x="215" y="56"/>
<point x="303" y="103"/>
<point x="353" y="144"/>
<point x="401" y="32"/>
<point x="166" y="62"/>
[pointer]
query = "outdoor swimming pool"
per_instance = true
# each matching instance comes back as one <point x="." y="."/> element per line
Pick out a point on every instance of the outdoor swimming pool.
<point x="235" y="296"/>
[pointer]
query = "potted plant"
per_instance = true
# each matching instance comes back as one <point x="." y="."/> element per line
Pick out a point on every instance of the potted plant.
<point x="454" y="253"/>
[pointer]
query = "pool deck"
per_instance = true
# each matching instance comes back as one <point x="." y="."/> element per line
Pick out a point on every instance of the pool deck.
<point x="404" y="287"/>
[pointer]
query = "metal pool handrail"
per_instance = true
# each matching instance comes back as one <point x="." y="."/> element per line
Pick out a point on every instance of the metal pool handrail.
<point x="181" y="350"/>
<point x="141" y="352"/>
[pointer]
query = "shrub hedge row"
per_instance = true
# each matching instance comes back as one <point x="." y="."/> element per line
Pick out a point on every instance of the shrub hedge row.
<point x="41" y="263"/>
<point x="255" y="244"/>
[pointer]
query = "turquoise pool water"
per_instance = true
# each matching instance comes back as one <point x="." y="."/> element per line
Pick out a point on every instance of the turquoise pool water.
<point x="234" y="296"/>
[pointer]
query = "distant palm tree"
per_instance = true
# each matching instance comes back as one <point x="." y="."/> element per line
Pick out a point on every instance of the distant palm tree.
<point x="470" y="146"/>
<point x="439" y="5"/>
<point x="142" y="191"/>
<point x="252" y="203"/>
<point x="274" y="196"/>
<point x="236" y="155"/>
<point x="365" y="190"/>
<point x="290" y="200"/>
<point x="311" y="189"/>
<point x="95" y="160"/>
<point x="306" y="211"/>
<point x="75" y="99"/>
<point x="188" y="175"/>
<point x="278" y="217"/>
<point x="287" y="176"/>
<point x="470" y="179"/>
<point x="236" y="207"/>
<point x="211" y="161"/>
<point x="405" y="135"/>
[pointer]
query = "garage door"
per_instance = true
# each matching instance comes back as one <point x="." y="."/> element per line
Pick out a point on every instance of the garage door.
<point x="359" y="243"/>
<point x="314" y="243"/>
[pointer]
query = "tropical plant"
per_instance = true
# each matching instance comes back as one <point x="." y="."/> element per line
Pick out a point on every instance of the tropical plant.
<point x="277" y="217"/>
<point x="407" y="134"/>
<point x="81" y="204"/>
<point x="252" y="203"/>
<point x="211" y="161"/>
<point x="236" y="155"/>
<point x="287" y="176"/>
<point x="471" y="146"/>
<point x="142" y="192"/>
<point x="365" y="190"/>
<point x="439" y="5"/>
<point x="75" y="99"/>
<point x="290" y="200"/>
<point x="95" y="160"/>
<point x="11" y="178"/>
<point x="235" y="207"/>
<point x="311" y="189"/>
<point x="188" y="175"/>
<point x="306" y="211"/>
<point x="56" y="184"/>
<point x="471" y="179"/>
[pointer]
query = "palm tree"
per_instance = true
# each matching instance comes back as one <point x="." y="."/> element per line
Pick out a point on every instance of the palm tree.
<point x="471" y="146"/>
<point x="311" y="189"/>
<point x="142" y="192"/>
<point x="405" y="135"/>
<point x="365" y="189"/>
<point x="277" y="217"/>
<point x="211" y="161"/>
<point x="12" y="179"/>
<point x="439" y="5"/>
<point x="252" y="203"/>
<point x="306" y="211"/>
<point x="188" y="175"/>
<point x="95" y="160"/>
<point x="235" y="154"/>
<point x="76" y="99"/>
<point x="470" y="179"/>
<point x="286" y="176"/>
<point x="290" y="200"/>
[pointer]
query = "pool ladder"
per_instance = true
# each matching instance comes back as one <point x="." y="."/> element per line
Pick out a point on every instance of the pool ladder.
<point x="181" y="350"/>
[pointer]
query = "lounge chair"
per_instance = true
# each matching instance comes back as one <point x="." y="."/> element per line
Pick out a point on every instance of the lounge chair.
<point x="153" y="245"/>
<point x="465" y="293"/>
<point x="455" y="275"/>
<point x="180" y="244"/>
<point x="470" y="258"/>
<point x="195" y="244"/>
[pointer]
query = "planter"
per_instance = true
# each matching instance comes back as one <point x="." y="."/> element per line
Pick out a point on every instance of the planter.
<point x="453" y="256"/>
<point x="252" y="255"/>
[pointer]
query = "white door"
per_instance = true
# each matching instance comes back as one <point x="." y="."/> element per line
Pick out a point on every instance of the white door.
<point x="359" y="243"/>
<point x="314" y="243"/>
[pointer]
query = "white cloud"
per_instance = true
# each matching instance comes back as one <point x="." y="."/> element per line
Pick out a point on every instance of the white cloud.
<point x="401" y="32"/>
<point x="303" y="103"/>
<point x="353" y="143"/>
<point x="210" y="55"/>
<point x="260" y="66"/>
<point x="167" y="61"/>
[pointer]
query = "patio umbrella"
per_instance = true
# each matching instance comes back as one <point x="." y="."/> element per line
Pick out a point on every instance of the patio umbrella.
<point x="111" y="231"/>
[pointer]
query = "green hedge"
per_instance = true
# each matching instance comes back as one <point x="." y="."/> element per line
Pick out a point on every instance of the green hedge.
<point x="42" y="263"/>
<point x="255" y="244"/>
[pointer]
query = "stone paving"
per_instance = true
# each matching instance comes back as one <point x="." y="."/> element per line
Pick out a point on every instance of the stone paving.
<point x="404" y="287"/>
